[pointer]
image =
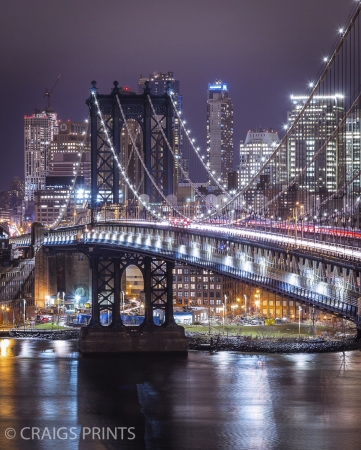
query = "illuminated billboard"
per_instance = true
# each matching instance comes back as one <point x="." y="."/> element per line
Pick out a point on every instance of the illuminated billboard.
<point x="213" y="87"/>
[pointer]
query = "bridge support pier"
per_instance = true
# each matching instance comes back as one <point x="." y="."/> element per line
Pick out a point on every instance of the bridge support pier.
<point x="107" y="270"/>
<point x="133" y="339"/>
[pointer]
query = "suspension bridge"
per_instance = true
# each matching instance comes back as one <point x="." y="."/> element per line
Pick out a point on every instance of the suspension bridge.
<point x="295" y="233"/>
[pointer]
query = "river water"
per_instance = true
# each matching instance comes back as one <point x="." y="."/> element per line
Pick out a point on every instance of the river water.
<point x="53" y="398"/>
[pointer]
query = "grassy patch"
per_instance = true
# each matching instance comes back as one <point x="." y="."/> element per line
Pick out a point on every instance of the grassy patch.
<point x="50" y="326"/>
<point x="271" y="331"/>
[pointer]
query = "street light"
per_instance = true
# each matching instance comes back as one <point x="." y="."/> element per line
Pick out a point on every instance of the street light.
<point x="234" y="309"/>
<point x="24" y="311"/>
<point x="313" y="321"/>
<point x="257" y="300"/>
<point x="122" y="292"/>
<point x="295" y="218"/>
<point x="299" y="321"/>
<point x="224" y="307"/>
<point x="57" y="305"/>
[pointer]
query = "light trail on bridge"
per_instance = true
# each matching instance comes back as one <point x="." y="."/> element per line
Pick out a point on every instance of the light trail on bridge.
<point x="305" y="243"/>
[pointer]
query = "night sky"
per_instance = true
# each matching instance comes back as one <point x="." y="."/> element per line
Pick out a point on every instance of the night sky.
<point x="264" y="49"/>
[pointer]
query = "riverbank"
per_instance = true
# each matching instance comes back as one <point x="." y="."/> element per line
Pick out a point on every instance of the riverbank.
<point x="214" y="343"/>
<point x="222" y="342"/>
<point x="44" y="334"/>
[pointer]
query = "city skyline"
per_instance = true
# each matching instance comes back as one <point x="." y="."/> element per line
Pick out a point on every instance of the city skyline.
<point x="181" y="315"/>
<point x="264" y="68"/>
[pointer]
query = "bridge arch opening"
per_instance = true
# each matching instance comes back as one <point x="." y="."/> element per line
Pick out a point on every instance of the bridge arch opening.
<point x="132" y="298"/>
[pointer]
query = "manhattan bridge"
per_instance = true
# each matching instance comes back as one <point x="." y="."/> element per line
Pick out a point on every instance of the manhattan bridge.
<point x="297" y="235"/>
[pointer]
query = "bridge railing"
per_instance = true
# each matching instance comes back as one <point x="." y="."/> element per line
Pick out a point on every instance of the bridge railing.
<point x="328" y="249"/>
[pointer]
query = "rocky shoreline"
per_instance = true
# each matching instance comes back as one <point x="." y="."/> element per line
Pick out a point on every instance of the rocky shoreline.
<point x="214" y="343"/>
<point x="45" y="334"/>
<point x="202" y="341"/>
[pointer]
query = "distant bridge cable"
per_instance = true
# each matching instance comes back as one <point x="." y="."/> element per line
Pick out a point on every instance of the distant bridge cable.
<point x="196" y="150"/>
<point x="322" y="148"/>
<point x="64" y="207"/>
<point x="299" y="117"/>
<point x="342" y="189"/>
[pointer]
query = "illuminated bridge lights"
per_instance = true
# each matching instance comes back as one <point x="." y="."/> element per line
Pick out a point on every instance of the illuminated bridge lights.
<point x="192" y="245"/>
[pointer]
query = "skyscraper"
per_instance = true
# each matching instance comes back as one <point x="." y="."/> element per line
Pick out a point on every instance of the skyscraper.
<point x="65" y="148"/>
<point x="39" y="130"/>
<point x="254" y="152"/>
<point x="158" y="83"/>
<point x="69" y="157"/>
<point x="352" y="192"/>
<point x="219" y="132"/>
<point x="328" y="173"/>
<point x="353" y="150"/>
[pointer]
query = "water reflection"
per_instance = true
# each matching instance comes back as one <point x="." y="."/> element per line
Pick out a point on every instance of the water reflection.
<point x="220" y="401"/>
<point x="38" y="387"/>
<point x="4" y="344"/>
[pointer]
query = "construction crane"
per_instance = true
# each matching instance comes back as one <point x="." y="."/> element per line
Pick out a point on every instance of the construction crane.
<point x="48" y="93"/>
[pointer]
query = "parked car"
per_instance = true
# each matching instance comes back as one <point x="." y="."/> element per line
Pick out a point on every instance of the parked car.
<point x="44" y="318"/>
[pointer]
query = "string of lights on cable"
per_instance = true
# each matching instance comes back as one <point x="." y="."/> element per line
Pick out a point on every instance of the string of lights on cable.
<point x="197" y="149"/>
<point x="323" y="87"/>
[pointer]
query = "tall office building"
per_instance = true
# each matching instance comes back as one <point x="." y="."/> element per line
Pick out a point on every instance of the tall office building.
<point x="69" y="156"/>
<point x="39" y="130"/>
<point x="219" y="132"/>
<point x="352" y="192"/>
<point x="254" y="152"/>
<point x="328" y="173"/>
<point x="65" y="149"/>
<point x="58" y="204"/>
<point x="353" y="150"/>
<point x="158" y="85"/>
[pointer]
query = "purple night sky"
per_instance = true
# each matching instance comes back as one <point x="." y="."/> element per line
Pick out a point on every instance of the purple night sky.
<point x="264" y="50"/>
